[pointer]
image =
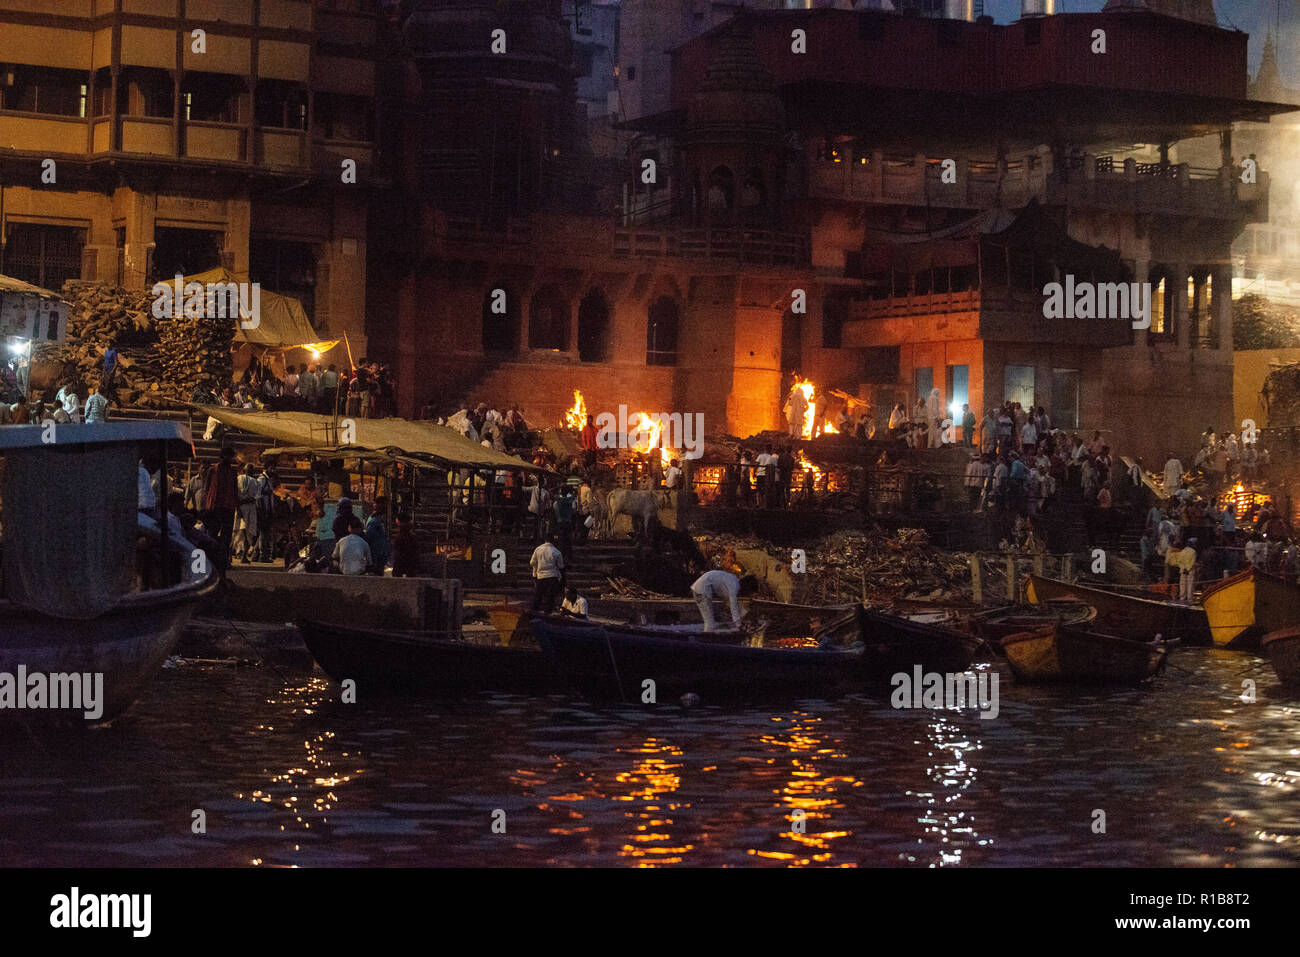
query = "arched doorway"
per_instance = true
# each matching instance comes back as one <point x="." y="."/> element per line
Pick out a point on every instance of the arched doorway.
<point x="548" y="320"/>
<point x="661" y="333"/>
<point x="593" y="327"/>
<point x="500" y="320"/>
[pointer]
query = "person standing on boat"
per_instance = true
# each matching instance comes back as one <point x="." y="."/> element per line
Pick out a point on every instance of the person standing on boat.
<point x="220" y="501"/>
<point x="719" y="584"/>
<point x="547" y="564"/>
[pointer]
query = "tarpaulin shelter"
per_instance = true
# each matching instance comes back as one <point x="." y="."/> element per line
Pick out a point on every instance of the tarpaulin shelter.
<point x="282" y="322"/>
<point x="436" y="444"/>
<point x="31" y="312"/>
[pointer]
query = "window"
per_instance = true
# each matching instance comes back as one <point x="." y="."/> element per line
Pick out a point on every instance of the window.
<point x="548" y="320"/>
<point x="281" y="105"/>
<point x="145" y="92"/>
<point x="1018" y="385"/>
<point x="339" y="117"/>
<point x="631" y="73"/>
<point x="211" y="97"/>
<point x="958" y="390"/>
<point x="286" y="267"/>
<point x="791" y="341"/>
<point x="500" y="320"/>
<point x="1064" y="410"/>
<point x="835" y="312"/>
<point x="924" y="382"/>
<point x="44" y="90"/>
<point x="45" y="256"/>
<point x="593" y="327"/>
<point x="880" y="364"/>
<point x="661" y="333"/>
<point x="185" y="251"/>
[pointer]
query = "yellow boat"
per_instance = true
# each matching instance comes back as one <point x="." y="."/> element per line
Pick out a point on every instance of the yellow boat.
<point x="1245" y="607"/>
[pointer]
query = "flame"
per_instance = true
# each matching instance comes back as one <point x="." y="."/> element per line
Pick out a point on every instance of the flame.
<point x="576" y="417"/>
<point x="804" y="466"/>
<point x="809" y="391"/>
<point x="651" y="429"/>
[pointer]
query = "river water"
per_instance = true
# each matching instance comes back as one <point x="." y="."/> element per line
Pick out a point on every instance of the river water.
<point x="1186" y="773"/>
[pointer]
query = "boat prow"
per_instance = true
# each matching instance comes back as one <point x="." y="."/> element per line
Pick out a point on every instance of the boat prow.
<point x="1247" y="606"/>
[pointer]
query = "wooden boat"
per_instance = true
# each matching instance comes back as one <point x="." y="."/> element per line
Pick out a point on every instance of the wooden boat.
<point x="1061" y="653"/>
<point x="1126" y="615"/>
<point x="1283" y="650"/>
<point x="787" y="620"/>
<point x="1247" y="606"/>
<point x="388" y="661"/>
<point x="605" y="661"/>
<point x="996" y="623"/>
<point x="127" y="631"/>
<point x="897" y="644"/>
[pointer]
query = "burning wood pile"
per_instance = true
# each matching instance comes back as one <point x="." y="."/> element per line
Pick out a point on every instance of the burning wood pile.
<point x="160" y="360"/>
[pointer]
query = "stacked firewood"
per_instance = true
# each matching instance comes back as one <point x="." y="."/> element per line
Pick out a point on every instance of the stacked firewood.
<point x="160" y="360"/>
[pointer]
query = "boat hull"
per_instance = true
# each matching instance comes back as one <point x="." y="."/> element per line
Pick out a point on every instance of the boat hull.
<point x="388" y="662"/>
<point x="1128" y="616"/>
<point x="1058" y="653"/>
<point x="1247" y="606"/>
<point x="127" y="645"/>
<point x="609" y="662"/>
<point x="895" y="645"/>
<point x="1283" y="650"/>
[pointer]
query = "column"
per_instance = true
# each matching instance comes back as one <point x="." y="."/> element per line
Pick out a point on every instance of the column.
<point x="1182" y="324"/>
<point x="1141" y="275"/>
<point x="1221" y="303"/>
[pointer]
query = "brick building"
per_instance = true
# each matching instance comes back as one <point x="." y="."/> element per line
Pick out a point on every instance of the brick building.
<point x="189" y="134"/>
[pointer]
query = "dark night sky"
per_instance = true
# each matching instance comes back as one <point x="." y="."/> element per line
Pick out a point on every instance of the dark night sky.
<point x="1255" y="17"/>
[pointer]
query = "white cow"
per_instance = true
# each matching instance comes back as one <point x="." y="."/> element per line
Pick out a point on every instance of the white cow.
<point x="635" y="503"/>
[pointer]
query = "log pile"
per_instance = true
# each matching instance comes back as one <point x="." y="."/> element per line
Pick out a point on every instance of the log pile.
<point x="160" y="360"/>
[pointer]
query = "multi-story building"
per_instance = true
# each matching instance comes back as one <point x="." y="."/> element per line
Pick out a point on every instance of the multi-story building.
<point x="140" y="138"/>
<point x="822" y="179"/>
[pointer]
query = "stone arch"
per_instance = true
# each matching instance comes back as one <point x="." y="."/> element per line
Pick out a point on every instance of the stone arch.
<point x="663" y="324"/>
<point x="500" y="328"/>
<point x="548" y="319"/>
<point x="594" y="326"/>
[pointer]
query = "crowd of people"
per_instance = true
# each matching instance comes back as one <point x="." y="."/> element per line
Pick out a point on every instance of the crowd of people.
<point x="245" y="514"/>
<point x="365" y="390"/>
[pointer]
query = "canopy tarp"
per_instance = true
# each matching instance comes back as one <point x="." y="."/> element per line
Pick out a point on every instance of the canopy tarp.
<point x="282" y="323"/>
<point x="11" y="285"/>
<point x="438" y="443"/>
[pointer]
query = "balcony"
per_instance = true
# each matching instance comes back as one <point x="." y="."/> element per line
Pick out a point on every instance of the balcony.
<point x="1091" y="182"/>
<point x="215" y="141"/>
<point x="281" y="148"/>
<point x="734" y="244"/>
<point x="992" y="314"/>
<point x="144" y="134"/>
<point x="42" y="133"/>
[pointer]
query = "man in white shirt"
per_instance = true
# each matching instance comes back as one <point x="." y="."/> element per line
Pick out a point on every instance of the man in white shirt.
<point x="547" y="564"/>
<point x="574" y="604"/>
<point x="717" y="584"/>
<point x="766" y="474"/>
<point x="673" y="476"/>
<point x="352" y="552"/>
<point x="1173" y="474"/>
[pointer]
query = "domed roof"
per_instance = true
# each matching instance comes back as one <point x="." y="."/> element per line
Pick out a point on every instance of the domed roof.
<point x="738" y="91"/>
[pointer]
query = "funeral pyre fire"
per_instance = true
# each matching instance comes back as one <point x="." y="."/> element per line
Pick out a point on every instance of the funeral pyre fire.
<point x="814" y="401"/>
<point x="644" y="431"/>
<point x="576" y="417"/>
